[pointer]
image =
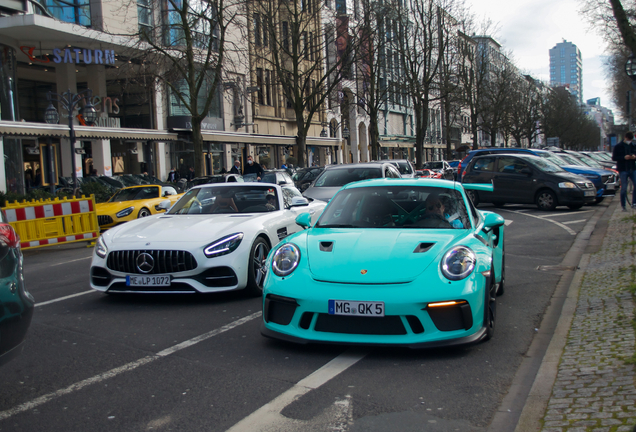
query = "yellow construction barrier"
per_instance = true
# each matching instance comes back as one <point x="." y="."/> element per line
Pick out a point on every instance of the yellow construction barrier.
<point x="48" y="222"/>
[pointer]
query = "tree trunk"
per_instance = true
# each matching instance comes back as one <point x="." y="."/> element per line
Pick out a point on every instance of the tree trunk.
<point x="301" y="146"/>
<point x="197" y="141"/>
<point x="374" y="135"/>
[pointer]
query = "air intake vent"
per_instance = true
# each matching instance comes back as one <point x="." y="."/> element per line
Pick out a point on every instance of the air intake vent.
<point x="423" y="247"/>
<point x="326" y="246"/>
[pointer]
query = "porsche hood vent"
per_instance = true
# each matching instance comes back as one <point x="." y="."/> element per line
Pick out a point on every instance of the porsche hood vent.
<point x="423" y="247"/>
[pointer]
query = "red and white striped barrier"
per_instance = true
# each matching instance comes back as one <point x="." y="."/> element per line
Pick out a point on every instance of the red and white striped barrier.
<point x="43" y="223"/>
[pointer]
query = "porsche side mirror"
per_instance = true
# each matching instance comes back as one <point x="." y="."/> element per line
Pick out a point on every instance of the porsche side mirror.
<point x="493" y="220"/>
<point x="304" y="220"/>
<point x="164" y="205"/>
<point x="299" y="202"/>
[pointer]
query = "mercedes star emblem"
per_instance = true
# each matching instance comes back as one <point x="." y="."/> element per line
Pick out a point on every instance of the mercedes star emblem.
<point x="145" y="262"/>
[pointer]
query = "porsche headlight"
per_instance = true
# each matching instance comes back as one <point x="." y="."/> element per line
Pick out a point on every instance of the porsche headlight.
<point x="458" y="263"/>
<point x="285" y="259"/>
<point x="100" y="248"/>
<point x="223" y="246"/>
<point x="125" y="212"/>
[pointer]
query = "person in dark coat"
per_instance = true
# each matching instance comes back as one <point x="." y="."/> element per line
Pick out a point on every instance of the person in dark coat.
<point x="172" y="176"/>
<point x="190" y="175"/>
<point x="625" y="156"/>
<point x="253" y="168"/>
<point x="236" y="168"/>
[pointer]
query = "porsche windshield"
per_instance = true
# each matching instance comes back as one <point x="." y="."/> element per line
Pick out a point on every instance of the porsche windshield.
<point x="135" y="194"/>
<point x="342" y="176"/>
<point x="214" y="200"/>
<point x="396" y="207"/>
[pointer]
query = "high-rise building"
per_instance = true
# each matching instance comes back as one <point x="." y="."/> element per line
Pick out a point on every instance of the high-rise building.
<point x="566" y="68"/>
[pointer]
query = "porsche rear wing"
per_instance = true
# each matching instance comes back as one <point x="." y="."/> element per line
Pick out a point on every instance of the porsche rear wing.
<point x="487" y="187"/>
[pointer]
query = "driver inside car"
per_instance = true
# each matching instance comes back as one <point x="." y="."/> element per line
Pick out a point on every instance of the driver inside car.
<point x="435" y="211"/>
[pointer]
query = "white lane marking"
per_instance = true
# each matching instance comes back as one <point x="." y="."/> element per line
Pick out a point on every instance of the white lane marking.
<point x="268" y="417"/>
<point x="125" y="368"/>
<point x="574" y="222"/>
<point x="65" y="298"/>
<point x="508" y="222"/>
<point x="565" y="227"/>
<point x="66" y="262"/>
<point x="566" y="214"/>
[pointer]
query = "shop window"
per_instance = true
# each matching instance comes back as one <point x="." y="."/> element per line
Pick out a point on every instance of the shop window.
<point x="178" y="108"/>
<point x="75" y="11"/>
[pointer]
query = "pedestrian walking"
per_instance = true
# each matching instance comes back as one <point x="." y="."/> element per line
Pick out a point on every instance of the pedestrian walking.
<point x="625" y="156"/>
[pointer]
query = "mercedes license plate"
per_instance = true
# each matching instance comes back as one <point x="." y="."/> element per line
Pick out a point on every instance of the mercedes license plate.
<point x="590" y="193"/>
<point x="356" y="308"/>
<point x="152" y="281"/>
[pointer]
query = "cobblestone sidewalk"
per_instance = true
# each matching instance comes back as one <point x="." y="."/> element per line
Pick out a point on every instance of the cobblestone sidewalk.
<point x="595" y="385"/>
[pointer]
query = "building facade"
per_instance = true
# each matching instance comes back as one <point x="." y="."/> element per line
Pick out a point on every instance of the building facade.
<point x="566" y="68"/>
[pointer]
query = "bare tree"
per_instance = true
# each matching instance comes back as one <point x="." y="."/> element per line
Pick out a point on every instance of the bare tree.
<point x="288" y="40"/>
<point x="374" y="70"/>
<point x="496" y="94"/>
<point x="472" y="72"/>
<point x="186" y="47"/>
<point x="524" y="113"/>
<point x="563" y="118"/>
<point x="426" y="30"/>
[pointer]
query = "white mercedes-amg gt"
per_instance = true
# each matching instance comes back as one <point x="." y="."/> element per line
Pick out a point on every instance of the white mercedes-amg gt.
<point x="215" y="238"/>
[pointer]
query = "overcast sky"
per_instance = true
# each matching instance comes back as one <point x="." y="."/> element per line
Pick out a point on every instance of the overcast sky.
<point x="530" y="28"/>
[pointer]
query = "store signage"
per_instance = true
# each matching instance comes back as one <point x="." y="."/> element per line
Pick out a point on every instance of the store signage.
<point x="72" y="55"/>
<point x="185" y="122"/>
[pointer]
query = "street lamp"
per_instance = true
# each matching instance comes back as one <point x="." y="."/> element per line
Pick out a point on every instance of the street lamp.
<point x="69" y="102"/>
<point x="630" y="67"/>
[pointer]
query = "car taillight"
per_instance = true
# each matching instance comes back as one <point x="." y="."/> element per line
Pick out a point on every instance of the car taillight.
<point x="8" y="235"/>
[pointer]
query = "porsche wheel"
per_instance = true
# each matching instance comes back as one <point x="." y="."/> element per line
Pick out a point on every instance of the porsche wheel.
<point x="256" y="268"/>
<point x="144" y="212"/>
<point x="490" y="307"/>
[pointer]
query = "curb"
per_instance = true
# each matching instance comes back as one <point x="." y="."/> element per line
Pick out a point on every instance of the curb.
<point x="522" y="408"/>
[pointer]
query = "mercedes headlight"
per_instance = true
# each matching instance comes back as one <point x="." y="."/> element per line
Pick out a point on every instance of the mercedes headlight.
<point x="285" y="259"/>
<point x="458" y="263"/>
<point x="125" y="212"/>
<point x="100" y="248"/>
<point x="223" y="246"/>
<point x="567" y="185"/>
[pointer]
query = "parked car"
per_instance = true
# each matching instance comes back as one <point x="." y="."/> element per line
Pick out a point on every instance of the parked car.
<point x="380" y="268"/>
<point x="404" y="166"/>
<point x="605" y="182"/>
<point x="454" y="164"/>
<point x="16" y="303"/>
<point x="278" y="177"/>
<point x="463" y="164"/>
<point x="526" y="179"/>
<point x="441" y="167"/>
<point x="303" y="177"/>
<point x="600" y="159"/>
<point x="336" y="176"/>
<point x="215" y="238"/>
<point x="217" y="178"/>
<point x="134" y="202"/>
<point x="426" y="173"/>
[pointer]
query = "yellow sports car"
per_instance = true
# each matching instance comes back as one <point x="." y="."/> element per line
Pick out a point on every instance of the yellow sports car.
<point x="134" y="202"/>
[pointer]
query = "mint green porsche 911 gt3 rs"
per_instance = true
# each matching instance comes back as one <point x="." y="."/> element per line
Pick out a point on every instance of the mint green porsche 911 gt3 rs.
<point x="407" y="262"/>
